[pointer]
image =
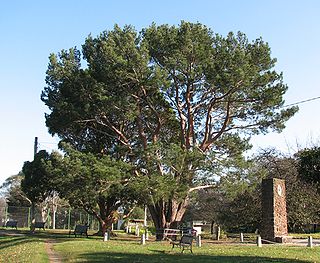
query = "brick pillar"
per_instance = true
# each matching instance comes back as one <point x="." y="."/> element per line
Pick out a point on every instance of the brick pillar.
<point x="274" y="211"/>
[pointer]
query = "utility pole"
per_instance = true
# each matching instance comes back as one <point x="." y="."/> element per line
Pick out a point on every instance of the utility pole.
<point x="32" y="210"/>
<point x="35" y="146"/>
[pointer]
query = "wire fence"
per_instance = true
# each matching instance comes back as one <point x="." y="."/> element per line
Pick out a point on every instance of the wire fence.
<point x="63" y="218"/>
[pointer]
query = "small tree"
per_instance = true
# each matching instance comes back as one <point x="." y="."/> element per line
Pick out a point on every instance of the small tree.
<point x="37" y="181"/>
<point x="98" y="184"/>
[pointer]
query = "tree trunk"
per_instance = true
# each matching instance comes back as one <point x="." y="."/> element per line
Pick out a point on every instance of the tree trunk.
<point x="106" y="217"/>
<point x="212" y="227"/>
<point x="105" y="224"/>
<point x="32" y="217"/>
<point x="167" y="214"/>
<point x="54" y="219"/>
<point x="44" y="211"/>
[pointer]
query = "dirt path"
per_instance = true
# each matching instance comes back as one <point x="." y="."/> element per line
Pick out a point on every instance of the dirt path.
<point x="54" y="257"/>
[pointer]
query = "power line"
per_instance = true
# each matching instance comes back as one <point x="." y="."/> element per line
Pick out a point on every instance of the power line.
<point x="300" y="102"/>
<point x="48" y="142"/>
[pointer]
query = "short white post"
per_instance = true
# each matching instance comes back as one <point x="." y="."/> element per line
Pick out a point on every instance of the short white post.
<point x="127" y="229"/>
<point x="143" y="239"/>
<point x="198" y="243"/>
<point x="241" y="237"/>
<point x="137" y="231"/>
<point x="259" y="242"/>
<point x="310" y="241"/>
<point x="147" y="235"/>
<point x="106" y="236"/>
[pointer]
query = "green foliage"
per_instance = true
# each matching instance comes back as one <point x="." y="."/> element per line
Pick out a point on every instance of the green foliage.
<point x="220" y="75"/>
<point x="11" y="189"/>
<point x="140" y="88"/>
<point x="303" y="204"/>
<point x="235" y="202"/>
<point x="137" y="213"/>
<point x="309" y="165"/>
<point x="89" y="181"/>
<point x="173" y="101"/>
<point x="241" y="213"/>
<point x="37" y="181"/>
<point x="167" y="174"/>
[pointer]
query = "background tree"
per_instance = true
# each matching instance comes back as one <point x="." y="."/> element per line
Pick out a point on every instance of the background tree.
<point x="205" y="205"/>
<point x="309" y="165"/>
<point x="168" y="88"/>
<point x="98" y="184"/>
<point x="11" y="189"/>
<point x="37" y="181"/>
<point x="235" y="203"/>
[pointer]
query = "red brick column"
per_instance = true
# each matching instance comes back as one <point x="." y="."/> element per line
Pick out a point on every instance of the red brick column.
<point x="274" y="211"/>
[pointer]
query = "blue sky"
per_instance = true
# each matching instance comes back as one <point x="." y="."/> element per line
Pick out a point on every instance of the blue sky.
<point x="31" y="30"/>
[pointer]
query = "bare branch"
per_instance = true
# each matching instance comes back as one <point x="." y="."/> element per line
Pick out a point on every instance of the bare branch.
<point x="202" y="187"/>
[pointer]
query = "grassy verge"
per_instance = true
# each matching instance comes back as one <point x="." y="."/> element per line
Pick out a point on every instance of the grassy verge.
<point x="301" y="236"/>
<point x="124" y="248"/>
<point x="131" y="251"/>
<point x="18" y="249"/>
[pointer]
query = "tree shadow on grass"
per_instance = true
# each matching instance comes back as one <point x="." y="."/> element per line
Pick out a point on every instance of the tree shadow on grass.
<point x="174" y="258"/>
<point x="43" y="234"/>
<point x="14" y="241"/>
<point x="12" y="238"/>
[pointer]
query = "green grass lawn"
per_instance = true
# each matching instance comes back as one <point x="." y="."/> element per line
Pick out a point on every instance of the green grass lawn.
<point x="31" y="248"/>
<point x="131" y="251"/>
<point x="22" y="249"/>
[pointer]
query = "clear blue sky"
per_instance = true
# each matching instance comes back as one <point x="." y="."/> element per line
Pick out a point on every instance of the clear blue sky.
<point x="31" y="30"/>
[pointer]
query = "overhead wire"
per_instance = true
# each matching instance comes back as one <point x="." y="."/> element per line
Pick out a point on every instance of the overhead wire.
<point x="300" y="102"/>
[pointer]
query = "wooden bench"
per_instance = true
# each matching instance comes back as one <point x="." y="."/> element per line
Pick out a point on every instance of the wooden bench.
<point x="184" y="243"/>
<point x="12" y="224"/>
<point x="39" y="225"/>
<point x="79" y="230"/>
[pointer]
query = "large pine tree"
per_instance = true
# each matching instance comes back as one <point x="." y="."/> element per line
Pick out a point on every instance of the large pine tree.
<point x="172" y="100"/>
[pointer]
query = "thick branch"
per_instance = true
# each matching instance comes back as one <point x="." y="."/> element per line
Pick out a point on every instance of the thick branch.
<point x="180" y="113"/>
<point x="190" y="130"/>
<point x="201" y="187"/>
<point x="121" y="137"/>
<point x="206" y="143"/>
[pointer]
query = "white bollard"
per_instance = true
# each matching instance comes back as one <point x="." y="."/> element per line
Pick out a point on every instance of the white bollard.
<point x="259" y="243"/>
<point x="310" y="244"/>
<point x="143" y="239"/>
<point x="218" y="231"/>
<point x="106" y="236"/>
<point x="127" y="229"/>
<point x="241" y="237"/>
<point x="198" y="243"/>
